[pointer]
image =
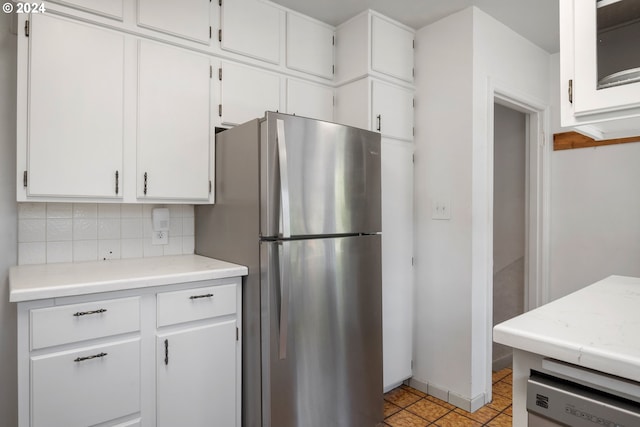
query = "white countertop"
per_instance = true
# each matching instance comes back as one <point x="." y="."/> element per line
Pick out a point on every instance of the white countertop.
<point x="31" y="282"/>
<point x="597" y="327"/>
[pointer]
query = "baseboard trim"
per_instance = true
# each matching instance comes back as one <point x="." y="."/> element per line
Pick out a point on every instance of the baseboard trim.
<point x="469" y="405"/>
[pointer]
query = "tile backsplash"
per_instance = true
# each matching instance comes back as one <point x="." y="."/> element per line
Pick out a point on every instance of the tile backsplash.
<point x="74" y="232"/>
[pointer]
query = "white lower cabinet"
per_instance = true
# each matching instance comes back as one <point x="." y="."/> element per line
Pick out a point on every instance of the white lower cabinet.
<point x="86" y="386"/>
<point x="158" y="356"/>
<point x="192" y="390"/>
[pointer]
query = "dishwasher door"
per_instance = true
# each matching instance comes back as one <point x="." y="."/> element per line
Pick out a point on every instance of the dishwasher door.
<point x="553" y="401"/>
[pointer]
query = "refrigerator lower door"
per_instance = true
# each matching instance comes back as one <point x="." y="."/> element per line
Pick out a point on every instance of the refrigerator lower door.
<point x="322" y="332"/>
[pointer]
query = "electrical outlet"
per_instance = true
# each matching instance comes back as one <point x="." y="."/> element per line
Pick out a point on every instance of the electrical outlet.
<point x="160" y="238"/>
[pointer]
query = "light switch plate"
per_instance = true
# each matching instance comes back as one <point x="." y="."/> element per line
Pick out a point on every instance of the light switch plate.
<point x="441" y="208"/>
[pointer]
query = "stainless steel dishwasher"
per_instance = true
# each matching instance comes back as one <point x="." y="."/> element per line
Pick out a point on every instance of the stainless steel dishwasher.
<point x="578" y="397"/>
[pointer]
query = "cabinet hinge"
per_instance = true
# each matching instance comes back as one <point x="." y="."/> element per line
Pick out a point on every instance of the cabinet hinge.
<point x="219" y="2"/>
<point x="413" y="160"/>
<point x="413" y="72"/>
<point x="413" y="43"/>
<point x="334" y="101"/>
<point x="333" y="40"/>
<point x="220" y="110"/>
<point x="333" y="69"/>
<point x="220" y="73"/>
<point x="24" y="179"/>
<point x="210" y="186"/>
<point x="210" y="32"/>
<point x="237" y="334"/>
<point x="571" y="91"/>
<point x="220" y="35"/>
<point x="210" y="71"/>
<point x="413" y="131"/>
<point x="414" y="103"/>
<point x="412" y="261"/>
<point x="26" y="28"/>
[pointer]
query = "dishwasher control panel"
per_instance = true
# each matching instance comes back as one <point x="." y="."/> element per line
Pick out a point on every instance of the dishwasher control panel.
<point x="557" y="401"/>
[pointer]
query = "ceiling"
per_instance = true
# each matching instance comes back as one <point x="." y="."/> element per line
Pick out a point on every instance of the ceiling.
<point x="536" y="20"/>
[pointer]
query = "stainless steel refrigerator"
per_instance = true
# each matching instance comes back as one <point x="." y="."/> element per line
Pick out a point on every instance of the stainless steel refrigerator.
<point x="298" y="203"/>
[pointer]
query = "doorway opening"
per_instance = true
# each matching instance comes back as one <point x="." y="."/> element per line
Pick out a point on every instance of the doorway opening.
<point x="527" y="267"/>
<point x="510" y="174"/>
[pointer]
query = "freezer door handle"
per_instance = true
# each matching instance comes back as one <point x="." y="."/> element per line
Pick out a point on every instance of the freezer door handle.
<point x="284" y="179"/>
<point x="284" y="298"/>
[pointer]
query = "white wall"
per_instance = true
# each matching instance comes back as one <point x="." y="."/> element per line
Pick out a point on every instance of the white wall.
<point x="457" y="59"/>
<point x="8" y="223"/>
<point x="443" y="119"/>
<point x="595" y="210"/>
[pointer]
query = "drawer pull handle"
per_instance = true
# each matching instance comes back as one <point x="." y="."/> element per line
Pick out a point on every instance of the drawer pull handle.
<point x="84" y="313"/>
<point x="95" y="356"/>
<point x="201" y="296"/>
<point x="166" y="352"/>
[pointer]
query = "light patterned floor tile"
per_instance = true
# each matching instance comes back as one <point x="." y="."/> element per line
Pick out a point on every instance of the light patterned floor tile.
<point x="499" y="403"/>
<point x="502" y="420"/>
<point x="440" y="402"/>
<point x="428" y="410"/>
<point x="390" y="409"/>
<point x="406" y="419"/>
<point x="401" y="397"/>
<point x="453" y="419"/>
<point x="502" y="388"/>
<point x="482" y="415"/>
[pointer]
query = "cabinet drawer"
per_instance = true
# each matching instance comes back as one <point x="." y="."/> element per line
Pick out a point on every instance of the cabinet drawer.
<point x="70" y="391"/>
<point x="77" y="322"/>
<point x="195" y="304"/>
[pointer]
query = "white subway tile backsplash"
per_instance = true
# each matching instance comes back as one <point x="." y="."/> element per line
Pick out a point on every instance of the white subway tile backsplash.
<point x="131" y="248"/>
<point x="32" y="253"/>
<point x="72" y="232"/>
<point x="59" y="210"/>
<point x="60" y="229"/>
<point x="109" y="249"/>
<point x="85" y="228"/>
<point x="85" y="210"/>
<point x="188" y="245"/>
<point x="111" y="210"/>
<point x="131" y="211"/>
<point x="85" y="250"/>
<point x="59" y="252"/>
<point x="31" y="210"/>
<point x="188" y="226"/>
<point x="109" y="228"/>
<point x="31" y="230"/>
<point x="174" y="247"/>
<point x="131" y="228"/>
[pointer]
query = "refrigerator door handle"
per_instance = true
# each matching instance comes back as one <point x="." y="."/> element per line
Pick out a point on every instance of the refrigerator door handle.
<point x="284" y="179"/>
<point x="285" y="263"/>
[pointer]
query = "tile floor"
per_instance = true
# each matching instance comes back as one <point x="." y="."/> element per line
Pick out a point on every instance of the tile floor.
<point x="408" y="407"/>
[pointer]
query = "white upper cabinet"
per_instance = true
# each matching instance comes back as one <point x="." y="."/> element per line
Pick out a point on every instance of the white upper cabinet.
<point x="309" y="46"/>
<point x="309" y="100"/>
<point x="374" y="44"/>
<point x="246" y="93"/>
<point x="75" y="110"/>
<point x="371" y="104"/>
<point x="109" y="8"/>
<point x="600" y="67"/>
<point x="173" y="123"/>
<point x="251" y="28"/>
<point x="391" y="49"/>
<point x="189" y="19"/>
<point x="392" y="110"/>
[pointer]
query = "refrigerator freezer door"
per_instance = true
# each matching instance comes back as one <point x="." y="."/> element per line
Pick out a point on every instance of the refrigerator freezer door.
<point x="333" y="175"/>
<point x="331" y="372"/>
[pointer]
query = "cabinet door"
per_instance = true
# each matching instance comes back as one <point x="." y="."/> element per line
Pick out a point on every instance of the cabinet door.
<point x="75" y="109"/>
<point x="397" y="256"/>
<point x="108" y="8"/>
<point x="607" y="59"/>
<point x="86" y="386"/>
<point x="196" y="376"/>
<point x="246" y="93"/>
<point x="391" y="49"/>
<point x="309" y="100"/>
<point x="252" y="28"/>
<point x="392" y="110"/>
<point x="173" y="122"/>
<point x="183" y="18"/>
<point x="309" y="46"/>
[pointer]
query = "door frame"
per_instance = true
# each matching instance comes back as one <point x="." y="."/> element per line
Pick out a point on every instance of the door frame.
<point x="537" y="204"/>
